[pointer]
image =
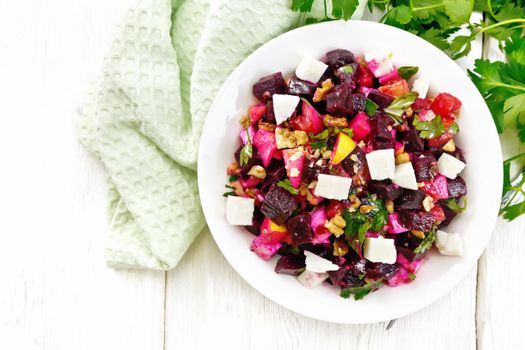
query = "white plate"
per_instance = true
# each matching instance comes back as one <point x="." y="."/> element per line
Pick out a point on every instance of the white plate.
<point x="478" y="138"/>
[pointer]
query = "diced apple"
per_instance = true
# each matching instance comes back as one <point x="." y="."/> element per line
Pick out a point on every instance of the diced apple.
<point x="293" y="162"/>
<point x="344" y="145"/>
<point x="284" y="106"/>
<point x="360" y="126"/>
<point x="272" y="232"/>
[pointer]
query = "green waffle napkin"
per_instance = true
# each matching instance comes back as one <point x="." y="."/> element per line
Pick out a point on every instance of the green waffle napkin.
<point x="145" y="115"/>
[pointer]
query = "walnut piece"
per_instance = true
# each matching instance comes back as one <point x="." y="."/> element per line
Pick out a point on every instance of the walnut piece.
<point x="285" y="138"/>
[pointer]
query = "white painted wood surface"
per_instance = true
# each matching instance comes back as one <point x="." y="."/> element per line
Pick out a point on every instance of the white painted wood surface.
<point x="55" y="291"/>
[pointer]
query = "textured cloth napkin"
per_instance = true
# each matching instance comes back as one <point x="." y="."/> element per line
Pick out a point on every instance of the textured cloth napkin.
<point x="145" y="115"/>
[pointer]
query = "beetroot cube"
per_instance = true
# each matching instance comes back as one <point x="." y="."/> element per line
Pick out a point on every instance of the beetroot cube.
<point x="300" y="230"/>
<point x="457" y="187"/>
<point x="417" y="220"/>
<point x="269" y="85"/>
<point x="410" y="200"/>
<point x="338" y="58"/>
<point x="278" y="204"/>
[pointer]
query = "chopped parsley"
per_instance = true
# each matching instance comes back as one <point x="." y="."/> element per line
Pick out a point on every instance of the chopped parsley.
<point x="361" y="291"/>
<point x="426" y="243"/>
<point x="406" y="72"/>
<point x="287" y="185"/>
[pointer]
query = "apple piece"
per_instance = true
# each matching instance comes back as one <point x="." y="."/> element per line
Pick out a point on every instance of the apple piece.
<point x="293" y="162"/>
<point x="272" y="232"/>
<point x="344" y="145"/>
<point x="360" y="126"/>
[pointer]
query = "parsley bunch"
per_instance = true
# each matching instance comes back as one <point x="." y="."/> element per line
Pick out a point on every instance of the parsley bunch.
<point x="502" y="84"/>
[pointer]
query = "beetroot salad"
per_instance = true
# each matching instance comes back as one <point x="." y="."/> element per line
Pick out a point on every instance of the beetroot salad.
<point x="348" y="172"/>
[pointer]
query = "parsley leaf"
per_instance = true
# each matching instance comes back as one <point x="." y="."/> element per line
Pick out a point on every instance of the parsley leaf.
<point x="426" y="244"/>
<point x="233" y="178"/>
<point x="513" y="204"/>
<point x="371" y="107"/>
<point x="287" y="185"/>
<point x="247" y="150"/>
<point x="429" y="129"/>
<point x="344" y="8"/>
<point x="361" y="291"/>
<point x="453" y="205"/>
<point x="406" y="72"/>
<point x="302" y="5"/>
<point x="412" y="276"/>
<point x="397" y="107"/>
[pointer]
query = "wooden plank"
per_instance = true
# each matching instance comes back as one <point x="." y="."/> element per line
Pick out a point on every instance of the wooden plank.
<point x="209" y="305"/>
<point x="500" y="307"/>
<point x="56" y="292"/>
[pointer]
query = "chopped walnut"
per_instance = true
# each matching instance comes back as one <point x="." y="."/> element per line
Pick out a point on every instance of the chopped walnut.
<point x="339" y="221"/>
<point x="334" y="121"/>
<point x="320" y="93"/>
<point x="428" y="203"/>
<point x="450" y="146"/>
<point x="266" y="126"/>
<point x="285" y="138"/>
<point x="313" y="200"/>
<point x="355" y="202"/>
<point x="233" y="169"/>
<point x="365" y="209"/>
<point x="327" y="154"/>
<point x="257" y="171"/>
<point x="402" y="158"/>
<point x="340" y="247"/>
<point x="334" y="229"/>
<point x="409" y="112"/>
<point x="245" y="121"/>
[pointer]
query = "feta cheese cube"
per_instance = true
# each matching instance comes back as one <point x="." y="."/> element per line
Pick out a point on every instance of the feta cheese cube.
<point x="449" y="243"/>
<point x="379" y="62"/>
<point x="450" y="166"/>
<point x="380" y="250"/>
<point x="405" y="176"/>
<point x="284" y="106"/>
<point x="381" y="164"/>
<point x="333" y="187"/>
<point x="311" y="279"/>
<point x="239" y="210"/>
<point x="315" y="263"/>
<point x="310" y="69"/>
<point x="421" y="86"/>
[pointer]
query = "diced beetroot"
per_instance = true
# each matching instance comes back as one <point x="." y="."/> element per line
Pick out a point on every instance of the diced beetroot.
<point x="266" y="146"/>
<point x="426" y="115"/>
<point x="300" y="87"/>
<point x="250" y="182"/>
<point x="411" y="266"/>
<point x="399" y="147"/>
<point x="437" y="189"/>
<point x="294" y="162"/>
<point x="334" y="208"/>
<point x="400" y="277"/>
<point x="445" y="105"/>
<point x="410" y="200"/>
<point x="291" y="264"/>
<point x="420" y="104"/>
<point x="366" y="90"/>
<point x="264" y="250"/>
<point x="345" y="277"/>
<point x="395" y="89"/>
<point x="360" y="126"/>
<point x="457" y="187"/>
<point x="394" y="225"/>
<point x="308" y="121"/>
<point x="389" y="77"/>
<point x="278" y="205"/>
<point x="243" y="135"/>
<point x="449" y="214"/>
<point x="317" y="221"/>
<point x="438" y="213"/>
<point x="385" y="189"/>
<point x="300" y="230"/>
<point x="339" y="57"/>
<point x="348" y="74"/>
<point x="366" y="77"/>
<point x="272" y="232"/>
<point x="269" y="85"/>
<point x="278" y="154"/>
<point x="256" y="112"/>
<point x="414" y="142"/>
<point x="351" y="166"/>
<point x="417" y="220"/>
<point x="381" y="270"/>
<point x="424" y="166"/>
<point x="381" y="99"/>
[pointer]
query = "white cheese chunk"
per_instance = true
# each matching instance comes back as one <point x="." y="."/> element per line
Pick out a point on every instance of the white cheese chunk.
<point x="239" y="210"/>
<point x="315" y="263"/>
<point x="380" y="250"/>
<point x="310" y="69"/>
<point x="421" y="86"/>
<point x="284" y="106"/>
<point x="311" y="279"/>
<point x="450" y="166"/>
<point x="449" y="243"/>
<point x="333" y="187"/>
<point x="381" y="164"/>
<point x="405" y="176"/>
<point x="379" y="62"/>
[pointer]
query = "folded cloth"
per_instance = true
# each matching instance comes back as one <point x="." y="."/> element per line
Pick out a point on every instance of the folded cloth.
<point x="146" y="113"/>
